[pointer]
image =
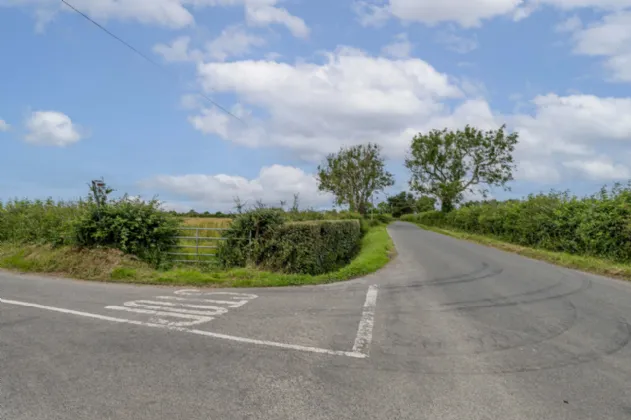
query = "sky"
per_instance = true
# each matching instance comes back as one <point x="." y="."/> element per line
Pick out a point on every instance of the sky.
<point x="300" y="79"/>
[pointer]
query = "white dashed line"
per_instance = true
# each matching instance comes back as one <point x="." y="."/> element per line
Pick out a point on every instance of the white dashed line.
<point x="367" y="322"/>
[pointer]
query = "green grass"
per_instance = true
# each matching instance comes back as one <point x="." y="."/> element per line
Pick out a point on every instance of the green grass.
<point x="113" y="266"/>
<point x="579" y="262"/>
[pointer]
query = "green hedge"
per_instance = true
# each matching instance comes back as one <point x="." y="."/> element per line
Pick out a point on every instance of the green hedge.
<point x="132" y="226"/>
<point x="598" y="225"/>
<point x="264" y="238"/>
<point x="314" y="247"/>
<point x="38" y="221"/>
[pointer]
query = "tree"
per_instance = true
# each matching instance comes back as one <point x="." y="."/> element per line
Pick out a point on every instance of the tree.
<point x="402" y="203"/>
<point x="445" y="164"/>
<point x="383" y="207"/>
<point x="425" y="203"/>
<point x="353" y="175"/>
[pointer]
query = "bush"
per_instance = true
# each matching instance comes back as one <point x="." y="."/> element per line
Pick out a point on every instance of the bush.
<point x="132" y="226"/>
<point x="263" y="238"/>
<point x="314" y="247"/>
<point x="598" y="225"/>
<point x="38" y="222"/>
<point x="245" y="236"/>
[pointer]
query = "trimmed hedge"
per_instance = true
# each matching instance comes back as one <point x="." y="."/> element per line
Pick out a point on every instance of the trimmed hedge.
<point x="314" y="247"/>
<point x="263" y="238"/>
<point x="598" y="225"/>
<point x="246" y="237"/>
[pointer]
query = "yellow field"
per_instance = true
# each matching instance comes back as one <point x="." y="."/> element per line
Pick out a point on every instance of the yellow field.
<point x="192" y="246"/>
<point x="207" y="222"/>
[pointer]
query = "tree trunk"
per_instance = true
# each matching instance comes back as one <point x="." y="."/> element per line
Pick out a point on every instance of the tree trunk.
<point x="362" y="209"/>
<point x="446" y="205"/>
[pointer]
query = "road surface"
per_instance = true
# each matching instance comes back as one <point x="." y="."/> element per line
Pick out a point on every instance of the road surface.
<point x="449" y="330"/>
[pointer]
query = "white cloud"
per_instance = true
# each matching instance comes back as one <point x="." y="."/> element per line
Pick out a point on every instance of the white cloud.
<point x="467" y="13"/>
<point x="168" y="13"/>
<point x="602" y="168"/>
<point x="569" y="129"/>
<point x="537" y="171"/>
<point x="401" y="47"/>
<point x="573" y="124"/>
<point x="315" y="108"/>
<point x="4" y="126"/>
<point x="264" y="15"/>
<point x="178" y="50"/>
<point x="571" y="24"/>
<point x="611" y="38"/>
<point x="52" y="128"/>
<point x="233" y="42"/>
<point x="370" y="14"/>
<point x="456" y="43"/>
<point x="273" y="184"/>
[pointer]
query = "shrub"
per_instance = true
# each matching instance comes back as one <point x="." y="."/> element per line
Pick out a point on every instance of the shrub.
<point x="314" y="247"/>
<point x="38" y="222"/>
<point x="598" y="225"/>
<point x="132" y="226"/>
<point x="263" y="238"/>
<point x="245" y="236"/>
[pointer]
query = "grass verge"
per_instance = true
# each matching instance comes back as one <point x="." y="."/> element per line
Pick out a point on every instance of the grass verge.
<point x="113" y="266"/>
<point x="578" y="262"/>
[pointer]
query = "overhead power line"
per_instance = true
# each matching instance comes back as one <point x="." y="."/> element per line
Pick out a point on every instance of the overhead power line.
<point x="147" y="58"/>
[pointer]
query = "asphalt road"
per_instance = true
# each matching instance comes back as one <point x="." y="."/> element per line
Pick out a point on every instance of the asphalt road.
<point x="449" y="330"/>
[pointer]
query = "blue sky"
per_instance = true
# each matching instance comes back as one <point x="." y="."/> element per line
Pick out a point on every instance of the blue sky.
<point x="307" y="77"/>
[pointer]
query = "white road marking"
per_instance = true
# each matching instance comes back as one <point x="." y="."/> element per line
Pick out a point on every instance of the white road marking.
<point x="159" y="316"/>
<point x="352" y="354"/>
<point x="231" y="304"/>
<point x="367" y="322"/>
<point x="181" y="308"/>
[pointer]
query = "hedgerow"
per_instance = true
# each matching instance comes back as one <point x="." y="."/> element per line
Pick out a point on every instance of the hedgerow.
<point x="598" y="225"/>
<point x="135" y="227"/>
<point x="314" y="247"/>
<point x="265" y="238"/>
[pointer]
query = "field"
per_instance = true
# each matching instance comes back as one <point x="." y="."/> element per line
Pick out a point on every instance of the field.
<point x="203" y="247"/>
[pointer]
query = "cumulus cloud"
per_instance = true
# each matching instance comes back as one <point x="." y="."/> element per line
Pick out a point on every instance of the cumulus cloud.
<point x="600" y="169"/>
<point x="52" y="128"/>
<point x="178" y="50"/>
<point x="315" y="108"/>
<point x="4" y="126"/>
<point x="401" y="47"/>
<point x="570" y="129"/>
<point x="168" y="13"/>
<point x="468" y="13"/>
<point x="457" y="43"/>
<point x="233" y="41"/>
<point x="574" y="124"/>
<point x="273" y="184"/>
<point x="609" y="38"/>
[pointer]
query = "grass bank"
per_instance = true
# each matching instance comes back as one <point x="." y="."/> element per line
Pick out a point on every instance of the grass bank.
<point x="109" y="265"/>
<point x="579" y="262"/>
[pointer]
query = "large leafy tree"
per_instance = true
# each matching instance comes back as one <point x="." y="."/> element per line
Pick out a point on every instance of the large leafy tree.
<point x="425" y="203"/>
<point x="445" y="164"/>
<point x="402" y="203"/>
<point x="354" y="175"/>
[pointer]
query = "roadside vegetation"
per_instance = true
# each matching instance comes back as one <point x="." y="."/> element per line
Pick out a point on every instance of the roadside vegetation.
<point x="589" y="233"/>
<point x="130" y="240"/>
